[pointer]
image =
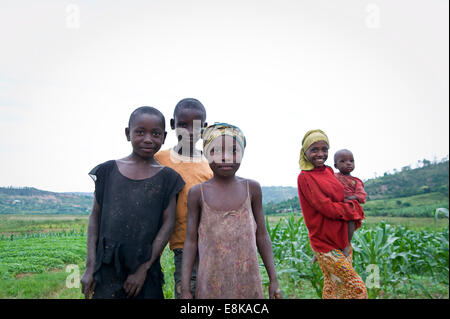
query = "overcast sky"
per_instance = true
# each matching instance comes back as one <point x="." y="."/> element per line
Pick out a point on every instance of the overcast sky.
<point x="372" y="74"/>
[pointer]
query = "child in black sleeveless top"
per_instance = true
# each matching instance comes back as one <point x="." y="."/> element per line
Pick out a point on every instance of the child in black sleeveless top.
<point x="133" y="216"/>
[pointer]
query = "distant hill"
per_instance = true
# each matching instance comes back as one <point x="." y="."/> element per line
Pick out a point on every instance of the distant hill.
<point x="277" y="194"/>
<point x="29" y="200"/>
<point x="430" y="179"/>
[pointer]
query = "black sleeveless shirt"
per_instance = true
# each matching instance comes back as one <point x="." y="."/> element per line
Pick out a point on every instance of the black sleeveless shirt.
<point x="130" y="218"/>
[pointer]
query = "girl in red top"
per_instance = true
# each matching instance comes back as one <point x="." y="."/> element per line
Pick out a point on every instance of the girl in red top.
<point x="326" y="216"/>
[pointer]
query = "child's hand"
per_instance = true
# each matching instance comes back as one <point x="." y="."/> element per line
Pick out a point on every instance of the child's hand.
<point x="346" y="251"/>
<point x="274" y="291"/>
<point x="87" y="283"/>
<point x="135" y="282"/>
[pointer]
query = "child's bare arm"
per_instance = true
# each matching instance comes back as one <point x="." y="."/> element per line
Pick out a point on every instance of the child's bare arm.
<point x="263" y="239"/>
<point x="190" y="243"/>
<point x="87" y="280"/>
<point x="135" y="282"/>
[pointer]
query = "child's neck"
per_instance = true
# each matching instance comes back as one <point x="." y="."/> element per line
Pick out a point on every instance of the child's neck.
<point x="223" y="179"/>
<point x="142" y="161"/>
<point x="187" y="150"/>
<point x="345" y="174"/>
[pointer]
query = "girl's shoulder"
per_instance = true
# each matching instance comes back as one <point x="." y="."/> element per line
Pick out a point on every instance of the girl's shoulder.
<point x="171" y="178"/>
<point x="254" y="187"/>
<point x="252" y="184"/>
<point x="169" y="172"/>
<point x="317" y="175"/>
<point x="101" y="169"/>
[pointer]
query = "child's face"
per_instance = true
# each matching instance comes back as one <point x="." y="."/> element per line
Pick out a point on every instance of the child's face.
<point x="146" y="135"/>
<point x="187" y="125"/>
<point x="317" y="153"/>
<point x="224" y="155"/>
<point x="345" y="163"/>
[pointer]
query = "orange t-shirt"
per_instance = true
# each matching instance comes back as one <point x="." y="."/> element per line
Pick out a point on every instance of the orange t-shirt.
<point x="193" y="170"/>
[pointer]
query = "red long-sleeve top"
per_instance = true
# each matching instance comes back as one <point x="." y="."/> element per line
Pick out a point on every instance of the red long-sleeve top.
<point x="353" y="186"/>
<point x="325" y="213"/>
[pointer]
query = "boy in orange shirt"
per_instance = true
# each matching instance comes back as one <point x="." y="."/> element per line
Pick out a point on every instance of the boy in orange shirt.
<point x="189" y="117"/>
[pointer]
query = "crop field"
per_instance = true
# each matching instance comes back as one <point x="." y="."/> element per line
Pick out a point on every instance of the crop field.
<point x="422" y="205"/>
<point x="394" y="261"/>
<point x="407" y="261"/>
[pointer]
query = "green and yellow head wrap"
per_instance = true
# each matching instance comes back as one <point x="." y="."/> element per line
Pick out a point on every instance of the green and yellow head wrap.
<point x="221" y="129"/>
<point x="310" y="138"/>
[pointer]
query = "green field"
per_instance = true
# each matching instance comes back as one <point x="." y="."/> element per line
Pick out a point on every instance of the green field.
<point x="422" y="205"/>
<point x="35" y="251"/>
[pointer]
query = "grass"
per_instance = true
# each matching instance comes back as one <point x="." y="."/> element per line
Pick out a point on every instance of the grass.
<point x="422" y="205"/>
<point x="410" y="263"/>
<point x="413" y="223"/>
<point x="35" y="266"/>
<point x="20" y="224"/>
<point x="49" y="284"/>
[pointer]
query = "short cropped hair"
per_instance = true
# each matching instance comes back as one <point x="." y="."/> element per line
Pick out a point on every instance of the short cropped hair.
<point x="339" y="153"/>
<point x="146" y="110"/>
<point x="189" y="103"/>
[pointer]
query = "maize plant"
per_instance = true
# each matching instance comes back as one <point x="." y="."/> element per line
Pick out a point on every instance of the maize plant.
<point x="396" y="253"/>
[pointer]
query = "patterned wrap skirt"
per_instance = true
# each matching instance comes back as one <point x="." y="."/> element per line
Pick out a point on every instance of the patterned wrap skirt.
<point x="340" y="279"/>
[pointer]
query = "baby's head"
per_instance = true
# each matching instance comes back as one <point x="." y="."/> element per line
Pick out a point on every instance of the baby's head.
<point x="223" y="146"/>
<point x="189" y="117"/>
<point x="344" y="162"/>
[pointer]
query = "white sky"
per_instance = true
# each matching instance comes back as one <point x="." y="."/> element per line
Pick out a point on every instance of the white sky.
<point x="372" y="74"/>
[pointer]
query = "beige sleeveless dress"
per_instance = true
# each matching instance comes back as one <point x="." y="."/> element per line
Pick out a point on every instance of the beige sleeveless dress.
<point x="228" y="256"/>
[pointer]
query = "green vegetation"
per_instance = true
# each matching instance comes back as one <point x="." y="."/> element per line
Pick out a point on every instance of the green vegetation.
<point x="276" y="194"/>
<point x="30" y="200"/>
<point x="429" y="178"/>
<point x="34" y="256"/>
<point x="405" y="234"/>
<point x="34" y="265"/>
<point x="423" y="205"/>
<point x="408" y="193"/>
<point x="411" y="264"/>
<point x="290" y="205"/>
<point x="23" y="224"/>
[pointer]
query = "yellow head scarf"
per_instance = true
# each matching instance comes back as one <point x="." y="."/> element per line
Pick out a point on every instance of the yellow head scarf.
<point x="311" y="137"/>
<point x="219" y="129"/>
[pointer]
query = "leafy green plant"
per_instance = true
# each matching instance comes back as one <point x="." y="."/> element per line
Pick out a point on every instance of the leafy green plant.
<point x="399" y="254"/>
